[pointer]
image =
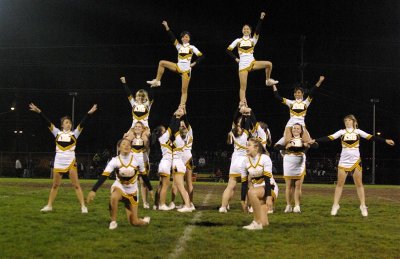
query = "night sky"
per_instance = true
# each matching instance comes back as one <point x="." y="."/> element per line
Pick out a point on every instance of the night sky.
<point x="51" y="48"/>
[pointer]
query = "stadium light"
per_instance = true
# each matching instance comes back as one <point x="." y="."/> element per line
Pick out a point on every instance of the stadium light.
<point x="373" y="101"/>
<point x="378" y="133"/>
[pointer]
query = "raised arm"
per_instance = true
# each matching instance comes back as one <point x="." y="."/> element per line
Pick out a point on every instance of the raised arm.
<point x="81" y="124"/>
<point x="127" y="90"/>
<point x="170" y="33"/>
<point x="315" y="87"/>
<point x="44" y="118"/>
<point x="276" y="94"/>
<point x="258" y="27"/>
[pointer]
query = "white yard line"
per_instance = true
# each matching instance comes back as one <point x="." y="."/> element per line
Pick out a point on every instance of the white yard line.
<point x="180" y="246"/>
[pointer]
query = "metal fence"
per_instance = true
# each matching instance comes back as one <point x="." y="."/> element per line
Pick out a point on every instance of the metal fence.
<point x="208" y="166"/>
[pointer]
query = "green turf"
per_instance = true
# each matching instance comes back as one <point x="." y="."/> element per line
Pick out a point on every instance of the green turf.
<point x="27" y="233"/>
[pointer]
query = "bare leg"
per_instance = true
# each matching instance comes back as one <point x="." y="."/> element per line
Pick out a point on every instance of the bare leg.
<point x="115" y="198"/>
<point x="161" y="68"/>
<point x="133" y="216"/>
<point x="174" y="191"/>
<point x="189" y="183"/>
<point x="264" y="64"/>
<point x="73" y="175"/>
<point x="243" y="84"/>
<point x="255" y="194"/>
<point x="357" y="177"/>
<point x="54" y="188"/>
<point x="178" y="179"/>
<point x="185" y="87"/>
<point x="143" y="190"/>
<point x="339" y="186"/>
<point x="227" y="195"/>
<point x="306" y="135"/>
<point x="164" y="188"/>
<point x="297" y="192"/>
<point x="288" y="191"/>
<point x="287" y="135"/>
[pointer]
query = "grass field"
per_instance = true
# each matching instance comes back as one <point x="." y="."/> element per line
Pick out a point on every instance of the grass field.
<point x="66" y="233"/>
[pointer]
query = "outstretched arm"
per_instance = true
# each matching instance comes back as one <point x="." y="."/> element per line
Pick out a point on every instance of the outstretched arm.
<point x="276" y="94"/>
<point x="127" y="90"/>
<point x="317" y="85"/>
<point x="170" y="33"/>
<point x="85" y="118"/>
<point x="258" y="27"/>
<point x="44" y="118"/>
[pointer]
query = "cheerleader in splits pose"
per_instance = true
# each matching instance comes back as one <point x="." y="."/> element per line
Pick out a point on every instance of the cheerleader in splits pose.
<point x="246" y="60"/>
<point x="259" y="170"/>
<point x="185" y="141"/>
<point x="125" y="187"/>
<point x="238" y="136"/>
<point x="65" y="161"/>
<point x="141" y="106"/>
<point x="140" y="150"/>
<point x="294" y="166"/>
<point x="260" y="131"/>
<point x="184" y="65"/>
<point x="298" y="109"/>
<point x="171" y="160"/>
<point x="350" y="161"/>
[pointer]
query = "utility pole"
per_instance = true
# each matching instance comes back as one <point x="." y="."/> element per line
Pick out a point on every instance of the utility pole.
<point x="73" y="94"/>
<point x="373" y="101"/>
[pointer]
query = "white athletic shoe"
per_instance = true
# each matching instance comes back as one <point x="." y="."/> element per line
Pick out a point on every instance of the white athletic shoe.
<point x="192" y="206"/>
<point x="155" y="207"/>
<point x="154" y="83"/>
<point x="288" y="209"/>
<point x="163" y="207"/>
<point x="147" y="220"/>
<point x="146" y="205"/>
<point x="113" y="225"/>
<point x="296" y="209"/>
<point x="270" y="211"/>
<point x="271" y="81"/>
<point x="227" y="207"/>
<point x="223" y="210"/>
<point x="46" y="208"/>
<point x="250" y="209"/>
<point x="84" y="209"/>
<point x="334" y="210"/>
<point x="364" y="210"/>
<point x="180" y="206"/>
<point x="185" y="209"/>
<point x="172" y="205"/>
<point x="253" y="226"/>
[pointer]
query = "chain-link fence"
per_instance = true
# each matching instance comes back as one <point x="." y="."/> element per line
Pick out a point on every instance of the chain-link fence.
<point x="208" y="166"/>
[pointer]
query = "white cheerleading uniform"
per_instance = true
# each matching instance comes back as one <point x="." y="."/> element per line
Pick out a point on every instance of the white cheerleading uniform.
<point x="185" y="53"/>
<point x="294" y="163"/>
<point x="350" y="140"/>
<point x="245" y="47"/>
<point x="164" y="168"/>
<point x="239" y="155"/>
<point x="140" y="111"/>
<point x="187" y="149"/>
<point x="298" y="110"/>
<point x="140" y="154"/>
<point x="127" y="173"/>
<point x="257" y="168"/>
<point x="65" y="148"/>
<point x="177" y="153"/>
<point x="259" y="133"/>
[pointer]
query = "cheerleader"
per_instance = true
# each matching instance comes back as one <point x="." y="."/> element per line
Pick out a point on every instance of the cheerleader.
<point x="65" y="161"/>
<point x="184" y="64"/>
<point x="260" y="131"/>
<point x="350" y="161"/>
<point x="298" y="109"/>
<point x="140" y="150"/>
<point x="185" y="140"/>
<point x="141" y="106"/>
<point x="171" y="160"/>
<point x="125" y="187"/>
<point x="294" y="166"/>
<point x="259" y="172"/>
<point x="238" y="136"/>
<point x="246" y="60"/>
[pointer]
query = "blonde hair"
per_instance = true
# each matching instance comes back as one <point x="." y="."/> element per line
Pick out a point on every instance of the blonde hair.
<point x="353" y="118"/>
<point x="258" y="143"/>
<point x="144" y="92"/>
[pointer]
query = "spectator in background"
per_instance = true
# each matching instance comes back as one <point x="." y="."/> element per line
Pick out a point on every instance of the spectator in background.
<point x="18" y="168"/>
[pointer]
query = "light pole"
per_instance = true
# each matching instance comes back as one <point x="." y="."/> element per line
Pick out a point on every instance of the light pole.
<point x="73" y="94"/>
<point x="373" y="101"/>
